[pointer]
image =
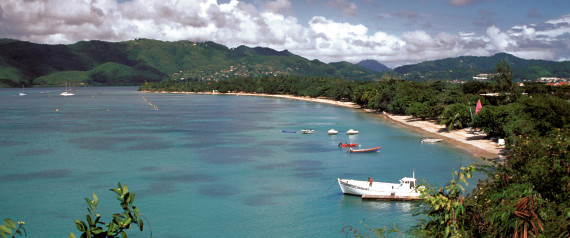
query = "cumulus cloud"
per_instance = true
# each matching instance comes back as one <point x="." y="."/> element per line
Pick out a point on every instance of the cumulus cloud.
<point x="237" y="23"/>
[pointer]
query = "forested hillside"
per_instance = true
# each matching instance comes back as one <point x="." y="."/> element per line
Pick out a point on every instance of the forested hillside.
<point x="465" y="67"/>
<point x="98" y="63"/>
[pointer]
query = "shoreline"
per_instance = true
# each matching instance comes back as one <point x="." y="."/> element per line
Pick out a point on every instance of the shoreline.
<point x="477" y="145"/>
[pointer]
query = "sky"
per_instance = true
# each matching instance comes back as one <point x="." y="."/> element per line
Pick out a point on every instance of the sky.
<point x="393" y="32"/>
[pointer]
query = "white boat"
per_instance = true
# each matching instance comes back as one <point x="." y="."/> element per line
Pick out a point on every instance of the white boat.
<point x="332" y="132"/>
<point x="306" y="131"/>
<point x="351" y="132"/>
<point x="430" y="140"/>
<point x="66" y="92"/>
<point x="22" y="93"/>
<point x="406" y="188"/>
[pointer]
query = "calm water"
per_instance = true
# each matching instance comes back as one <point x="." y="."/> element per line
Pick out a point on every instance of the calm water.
<point x="202" y="165"/>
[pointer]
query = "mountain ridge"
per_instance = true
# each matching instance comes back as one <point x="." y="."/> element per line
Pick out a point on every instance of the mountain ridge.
<point x="101" y="63"/>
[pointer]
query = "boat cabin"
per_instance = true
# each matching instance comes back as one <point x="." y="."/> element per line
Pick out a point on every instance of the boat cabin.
<point x="408" y="183"/>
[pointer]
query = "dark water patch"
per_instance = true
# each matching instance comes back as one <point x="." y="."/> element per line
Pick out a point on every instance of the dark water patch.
<point x="228" y="155"/>
<point x="113" y="143"/>
<point x="196" y="145"/>
<point x="161" y="187"/>
<point x="217" y="190"/>
<point x="150" y="145"/>
<point x="297" y="165"/>
<point x="310" y="163"/>
<point x="182" y="177"/>
<point x="309" y="175"/>
<point x="47" y="174"/>
<point x="150" y="169"/>
<point x="4" y="143"/>
<point x="275" y="143"/>
<point x="319" y="149"/>
<point x="34" y="152"/>
<point x="260" y="200"/>
<point x="275" y="166"/>
<point x="97" y="143"/>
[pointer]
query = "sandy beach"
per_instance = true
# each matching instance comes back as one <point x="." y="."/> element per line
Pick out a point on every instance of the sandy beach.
<point x="478" y="145"/>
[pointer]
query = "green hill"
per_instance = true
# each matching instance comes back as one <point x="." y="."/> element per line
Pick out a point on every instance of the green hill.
<point x="465" y="67"/>
<point x="96" y="63"/>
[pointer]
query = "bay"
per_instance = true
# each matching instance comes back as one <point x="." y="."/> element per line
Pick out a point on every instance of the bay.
<point x="203" y="165"/>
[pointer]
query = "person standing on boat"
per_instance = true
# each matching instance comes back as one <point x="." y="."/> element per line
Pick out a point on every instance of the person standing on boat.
<point x="370" y="181"/>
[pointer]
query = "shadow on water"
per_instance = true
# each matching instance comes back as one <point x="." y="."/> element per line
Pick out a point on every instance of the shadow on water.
<point x="47" y="174"/>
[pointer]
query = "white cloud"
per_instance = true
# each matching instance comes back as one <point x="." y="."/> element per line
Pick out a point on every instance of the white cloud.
<point x="239" y="23"/>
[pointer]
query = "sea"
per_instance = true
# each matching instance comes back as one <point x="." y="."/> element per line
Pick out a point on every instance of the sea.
<point x="204" y="165"/>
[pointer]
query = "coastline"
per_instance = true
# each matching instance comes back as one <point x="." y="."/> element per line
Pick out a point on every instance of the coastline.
<point x="477" y="145"/>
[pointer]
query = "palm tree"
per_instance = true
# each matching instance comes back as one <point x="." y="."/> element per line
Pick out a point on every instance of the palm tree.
<point x="452" y="122"/>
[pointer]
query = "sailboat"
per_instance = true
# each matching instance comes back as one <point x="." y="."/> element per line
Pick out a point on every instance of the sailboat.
<point x="22" y="93"/>
<point x="67" y="91"/>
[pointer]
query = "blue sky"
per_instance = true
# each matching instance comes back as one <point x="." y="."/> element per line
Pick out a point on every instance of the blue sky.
<point x="392" y="32"/>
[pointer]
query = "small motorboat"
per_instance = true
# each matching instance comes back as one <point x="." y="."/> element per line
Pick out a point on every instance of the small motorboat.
<point x="351" y="150"/>
<point x="332" y="132"/>
<point x="406" y="188"/>
<point x="288" y="131"/>
<point x="430" y="140"/>
<point x="347" y="145"/>
<point x="351" y="132"/>
<point x="310" y="131"/>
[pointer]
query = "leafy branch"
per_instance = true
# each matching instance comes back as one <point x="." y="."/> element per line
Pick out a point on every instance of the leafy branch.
<point x="121" y="222"/>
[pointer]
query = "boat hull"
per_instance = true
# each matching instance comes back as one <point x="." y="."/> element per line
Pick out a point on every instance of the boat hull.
<point x="348" y="145"/>
<point x="375" y="149"/>
<point x="360" y="188"/>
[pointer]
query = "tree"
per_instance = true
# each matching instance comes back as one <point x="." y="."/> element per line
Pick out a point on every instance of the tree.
<point x="455" y="116"/>
<point x="504" y="82"/>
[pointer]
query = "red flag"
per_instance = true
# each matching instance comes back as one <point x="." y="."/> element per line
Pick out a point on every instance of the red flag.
<point x="478" y="107"/>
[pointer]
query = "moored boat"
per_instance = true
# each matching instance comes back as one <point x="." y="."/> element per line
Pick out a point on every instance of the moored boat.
<point x="332" y="132"/>
<point x="405" y="189"/>
<point x="288" y="131"/>
<point x="430" y="140"/>
<point x="66" y="92"/>
<point x="351" y="132"/>
<point x="311" y="131"/>
<point x="365" y="150"/>
<point x="347" y="145"/>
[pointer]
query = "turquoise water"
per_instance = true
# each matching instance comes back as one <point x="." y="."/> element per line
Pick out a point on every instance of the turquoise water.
<point x="202" y="165"/>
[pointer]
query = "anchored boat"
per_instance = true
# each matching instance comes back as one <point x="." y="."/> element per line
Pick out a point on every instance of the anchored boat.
<point x="404" y="190"/>
<point x="347" y="145"/>
<point x="365" y="150"/>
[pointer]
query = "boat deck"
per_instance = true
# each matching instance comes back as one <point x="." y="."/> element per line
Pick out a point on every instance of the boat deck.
<point x="389" y="198"/>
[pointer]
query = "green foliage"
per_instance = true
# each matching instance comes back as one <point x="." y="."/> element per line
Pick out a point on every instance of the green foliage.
<point x="444" y="211"/>
<point x="11" y="229"/>
<point x="94" y="227"/>
<point x="369" y="231"/>
<point x="456" y="116"/>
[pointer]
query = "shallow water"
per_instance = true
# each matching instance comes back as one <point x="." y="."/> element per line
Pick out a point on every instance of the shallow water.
<point x="202" y="165"/>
